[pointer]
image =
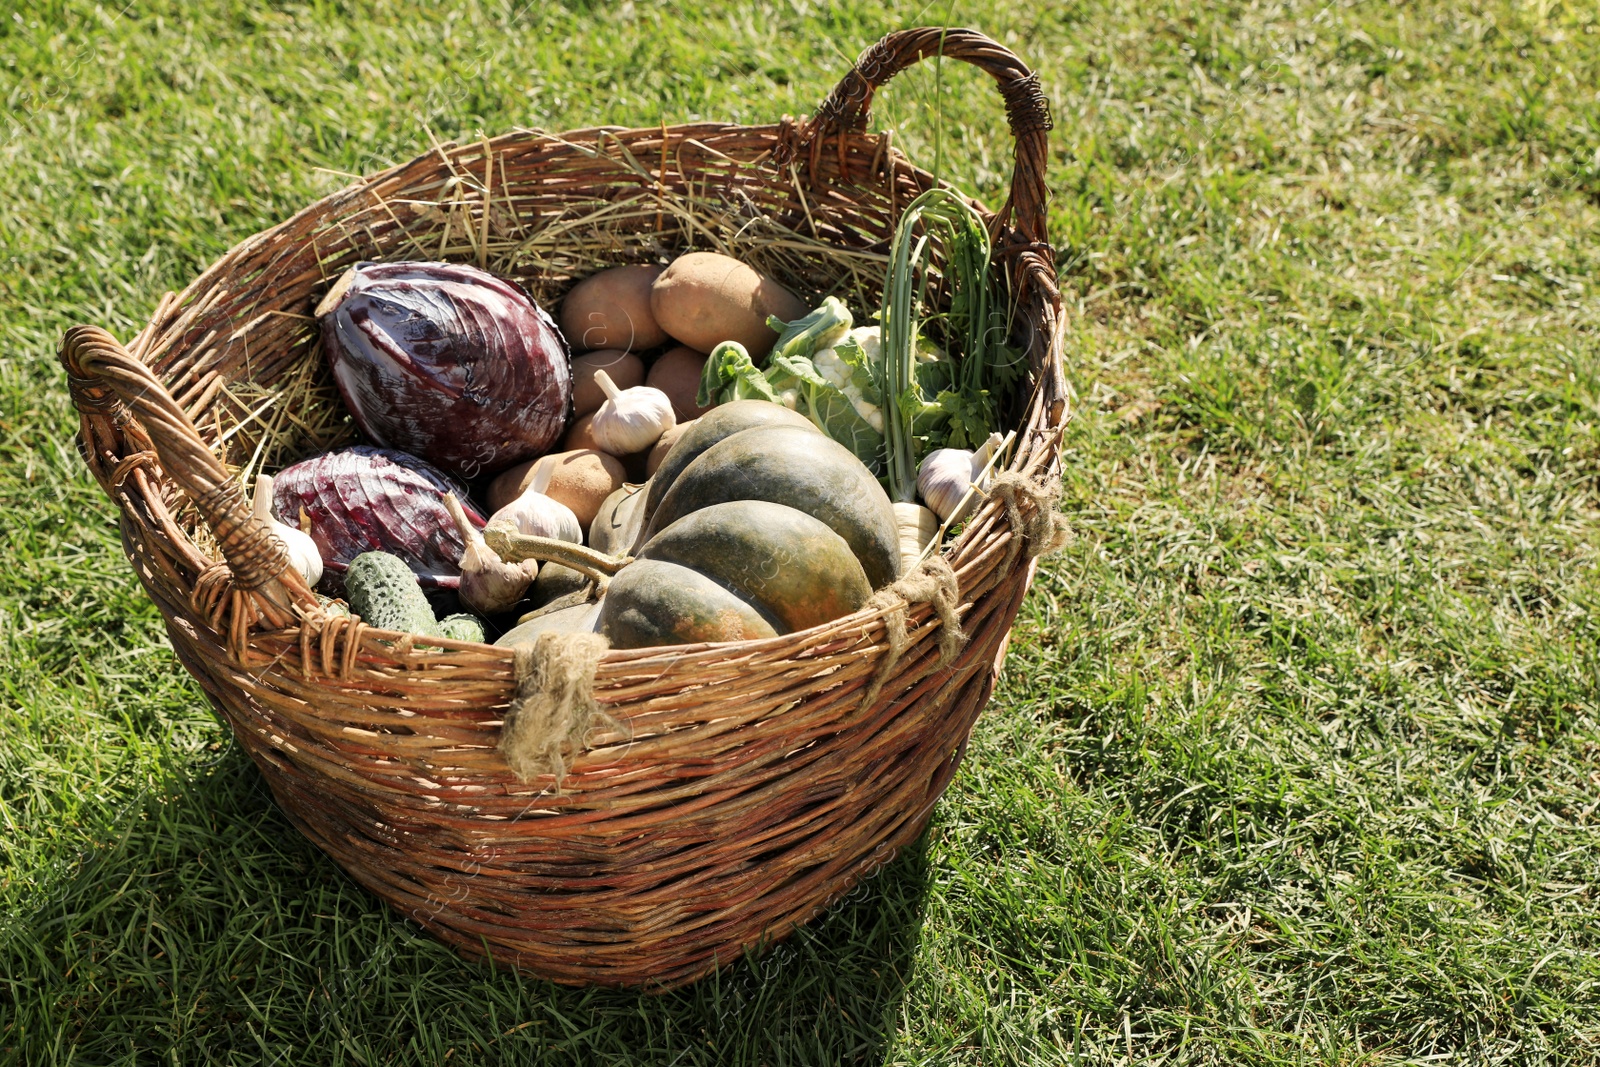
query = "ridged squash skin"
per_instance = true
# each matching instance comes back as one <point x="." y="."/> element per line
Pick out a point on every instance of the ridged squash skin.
<point x="720" y="422"/>
<point x="801" y="469"/>
<point x="789" y="566"/>
<point x="577" y="619"/>
<point x="770" y="529"/>
<point x="651" y="602"/>
<point x="616" y="528"/>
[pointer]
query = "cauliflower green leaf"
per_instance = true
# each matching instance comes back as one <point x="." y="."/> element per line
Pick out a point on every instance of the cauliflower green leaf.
<point x="730" y="374"/>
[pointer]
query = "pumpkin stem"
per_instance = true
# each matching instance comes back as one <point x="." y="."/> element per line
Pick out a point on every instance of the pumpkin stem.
<point x="513" y="547"/>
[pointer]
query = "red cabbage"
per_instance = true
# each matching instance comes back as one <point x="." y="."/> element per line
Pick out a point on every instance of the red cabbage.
<point x="447" y="362"/>
<point x="362" y="499"/>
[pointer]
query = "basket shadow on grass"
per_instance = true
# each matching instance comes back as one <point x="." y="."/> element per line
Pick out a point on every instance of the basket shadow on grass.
<point x="203" y="920"/>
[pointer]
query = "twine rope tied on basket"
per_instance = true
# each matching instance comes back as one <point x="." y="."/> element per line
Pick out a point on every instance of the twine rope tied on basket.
<point x="554" y="706"/>
<point x="932" y="582"/>
<point x="1036" y="526"/>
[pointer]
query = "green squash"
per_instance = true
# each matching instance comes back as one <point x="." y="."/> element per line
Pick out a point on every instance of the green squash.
<point x="652" y="602"/>
<point x="720" y="422"/>
<point x="801" y="469"/>
<point x="768" y="530"/>
<point x="617" y="524"/>
<point x="572" y="619"/>
<point x="789" y="566"/>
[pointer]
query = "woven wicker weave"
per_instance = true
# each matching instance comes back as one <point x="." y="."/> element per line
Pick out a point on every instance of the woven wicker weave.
<point x="743" y="787"/>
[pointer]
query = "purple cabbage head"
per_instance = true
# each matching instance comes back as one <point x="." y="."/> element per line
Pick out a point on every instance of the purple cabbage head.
<point x="447" y="362"/>
<point x="361" y="499"/>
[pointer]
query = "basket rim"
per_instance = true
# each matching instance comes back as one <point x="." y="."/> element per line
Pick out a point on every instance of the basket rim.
<point x="170" y="313"/>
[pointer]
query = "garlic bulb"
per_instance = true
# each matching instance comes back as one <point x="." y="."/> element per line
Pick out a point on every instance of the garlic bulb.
<point x="538" y="515"/>
<point x="947" y="473"/>
<point x="489" y="585"/>
<point x="916" y="526"/>
<point x="630" y="420"/>
<point x="303" y="554"/>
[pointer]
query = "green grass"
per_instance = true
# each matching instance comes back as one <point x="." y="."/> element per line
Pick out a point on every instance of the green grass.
<point x="1297" y="757"/>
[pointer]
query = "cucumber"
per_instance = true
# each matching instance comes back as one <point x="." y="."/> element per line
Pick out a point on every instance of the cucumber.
<point x="382" y="589"/>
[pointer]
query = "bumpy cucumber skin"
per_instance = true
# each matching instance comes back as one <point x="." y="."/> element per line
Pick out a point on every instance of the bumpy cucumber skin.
<point x="461" y="627"/>
<point x="383" y="590"/>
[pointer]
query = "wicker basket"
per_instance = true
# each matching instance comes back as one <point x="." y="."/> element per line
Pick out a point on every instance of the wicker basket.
<point x="740" y="788"/>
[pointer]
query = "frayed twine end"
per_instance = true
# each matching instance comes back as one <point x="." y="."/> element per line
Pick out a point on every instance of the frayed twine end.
<point x="932" y="582"/>
<point x="553" y="708"/>
<point x="1038" y="529"/>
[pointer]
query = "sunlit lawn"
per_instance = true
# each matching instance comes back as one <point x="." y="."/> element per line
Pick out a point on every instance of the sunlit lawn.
<point x="1296" y="759"/>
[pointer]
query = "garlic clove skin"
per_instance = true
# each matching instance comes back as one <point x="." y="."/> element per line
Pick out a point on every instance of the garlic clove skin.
<point x="944" y="478"/>
<point x="303" y="554"/>
<point x="489" y="585"/>
<point x="947" y="473"/>
<point x="538" y="515"/>
<point x="630" y="420"/>
<point x="916" y="526"/>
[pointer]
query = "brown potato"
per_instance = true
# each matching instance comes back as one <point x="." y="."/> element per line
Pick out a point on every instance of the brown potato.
<point x="624" y="368"/>
<point x="509" y="484"/>
<point x="612" y="310"/>
<point x="581" y="480"/>
<point x="580" y="436"/>
<point x="663" y="446"/>
<point x="704" y="298"/>
<point x="677" y="373"/>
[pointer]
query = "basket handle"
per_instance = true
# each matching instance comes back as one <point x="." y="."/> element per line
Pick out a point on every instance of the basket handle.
<point x="110" y="384"/>
<point x="848" y="107"/>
